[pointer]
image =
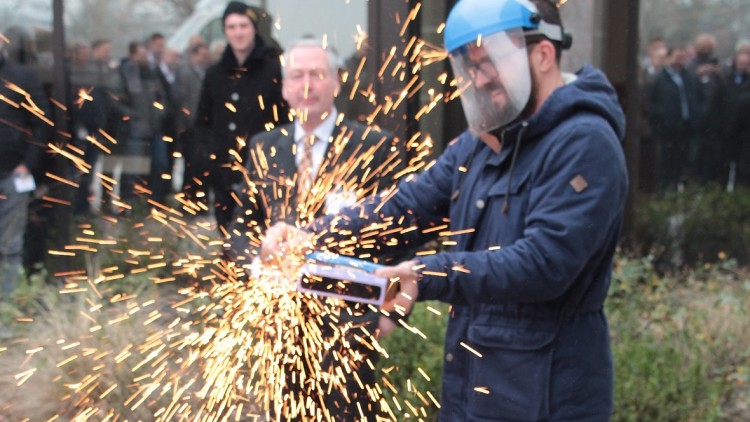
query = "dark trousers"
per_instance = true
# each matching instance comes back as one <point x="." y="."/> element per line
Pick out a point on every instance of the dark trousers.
<point x="224" y="204"/>
<point x="161" y="164"/>
<point x="674" y="156"/>
<point x="81" y="204"/>
<point x="322" y="378"/>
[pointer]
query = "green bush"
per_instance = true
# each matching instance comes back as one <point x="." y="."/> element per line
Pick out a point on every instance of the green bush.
<point x="656" y="382"/>
<point x="408" y="352"/>
<point x="700" y="225"/>
<point x="675" y="343"/>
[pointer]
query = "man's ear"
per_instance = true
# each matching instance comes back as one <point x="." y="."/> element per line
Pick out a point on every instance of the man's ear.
<point x="543" y="56"/>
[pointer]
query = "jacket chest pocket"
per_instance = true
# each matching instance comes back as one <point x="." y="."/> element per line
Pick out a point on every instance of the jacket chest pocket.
<point x="503" y="214"/>
<point x="511" y="379"/>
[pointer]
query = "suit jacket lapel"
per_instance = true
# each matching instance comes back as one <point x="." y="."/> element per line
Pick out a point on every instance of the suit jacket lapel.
<point x="279" y="196"/>
<point x="336" y="153"/>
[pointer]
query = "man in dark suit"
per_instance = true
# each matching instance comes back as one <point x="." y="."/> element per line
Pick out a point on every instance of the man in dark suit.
<point x="316" y="165"/>
<point x="348" y="160"/>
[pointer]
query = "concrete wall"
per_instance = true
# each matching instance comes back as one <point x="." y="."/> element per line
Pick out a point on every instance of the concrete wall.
<point x="583" y="19"/>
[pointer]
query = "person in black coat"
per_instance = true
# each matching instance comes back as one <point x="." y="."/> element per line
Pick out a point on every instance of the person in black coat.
<point x="673" y="115"/>
<point x="709" y="158"/>
<point x="737" y="109"/>
<point x="240" y="97"/>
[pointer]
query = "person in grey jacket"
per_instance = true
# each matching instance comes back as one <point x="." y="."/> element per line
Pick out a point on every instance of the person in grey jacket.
<point x="24" y="132"/>
<point x="534" y="193"/>
<point x="143" y="89"/>
<point x="187" y="89"/>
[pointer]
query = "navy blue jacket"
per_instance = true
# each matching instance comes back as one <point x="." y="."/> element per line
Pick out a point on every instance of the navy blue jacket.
<point x="535" y="230"/>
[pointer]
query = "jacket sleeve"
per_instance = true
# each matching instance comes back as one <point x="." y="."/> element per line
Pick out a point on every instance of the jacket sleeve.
<point x="389" y="159"/>
<point x="420" y="202"/>
<point x="563" y="229"/>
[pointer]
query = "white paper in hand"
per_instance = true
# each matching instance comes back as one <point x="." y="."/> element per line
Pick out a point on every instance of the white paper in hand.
<point x="24" y="182"/>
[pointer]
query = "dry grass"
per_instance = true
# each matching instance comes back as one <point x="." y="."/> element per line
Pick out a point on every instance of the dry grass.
<point x="79" y="357"/>
<point x="723" y="331"/>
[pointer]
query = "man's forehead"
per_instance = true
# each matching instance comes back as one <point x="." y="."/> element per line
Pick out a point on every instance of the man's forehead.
<point x="236" y="19"/>
<point x="307" y="65"/>
<point x="501" y="40"/>
<point x="307" y="57"/>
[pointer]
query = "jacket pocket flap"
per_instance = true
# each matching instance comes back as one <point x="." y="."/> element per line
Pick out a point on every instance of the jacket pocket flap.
<point x="509" y="338"/>
<point x="500" y="188"/>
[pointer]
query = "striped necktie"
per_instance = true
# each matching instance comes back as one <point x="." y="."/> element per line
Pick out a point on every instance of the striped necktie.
<point x="305" y="175"/>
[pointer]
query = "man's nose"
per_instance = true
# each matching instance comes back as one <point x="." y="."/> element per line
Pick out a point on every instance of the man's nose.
<point x="306" y="85"/>
<point x="481" y="79"/>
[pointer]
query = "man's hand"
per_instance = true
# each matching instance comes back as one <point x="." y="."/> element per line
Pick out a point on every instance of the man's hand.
<point x="402" y="292"/>
<point x="21" y="169"/>
<point x="707" y="69"/>
<point x="385" y="326"/>
<point x="283" y="238"/>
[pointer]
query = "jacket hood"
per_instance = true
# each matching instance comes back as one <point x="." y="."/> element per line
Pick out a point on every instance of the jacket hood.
<point x="591" y="93"/>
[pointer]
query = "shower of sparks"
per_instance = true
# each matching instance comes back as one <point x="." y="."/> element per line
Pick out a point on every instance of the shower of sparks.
<point x="239" y="336"/>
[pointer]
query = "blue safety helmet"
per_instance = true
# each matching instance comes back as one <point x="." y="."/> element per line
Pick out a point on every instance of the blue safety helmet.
<point x="486" y="44"/>
<point x="470" y="19"/>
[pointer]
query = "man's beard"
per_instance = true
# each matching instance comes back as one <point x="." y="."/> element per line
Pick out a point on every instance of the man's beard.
<point x="490" y="112"/>
<point x="510" y="112"/>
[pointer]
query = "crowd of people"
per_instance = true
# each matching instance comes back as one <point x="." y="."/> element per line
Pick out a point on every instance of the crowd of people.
<point x="156" y="122"/>
<point x="695" y="115"/>
<point x="132" y="119"/>
<point x="145" y="101"/>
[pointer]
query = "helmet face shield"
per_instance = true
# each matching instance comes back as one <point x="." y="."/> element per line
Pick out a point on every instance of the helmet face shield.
<point x="493" y="78"/>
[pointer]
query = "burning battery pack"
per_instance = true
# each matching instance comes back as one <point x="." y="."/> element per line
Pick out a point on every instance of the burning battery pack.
<point x="344" y="278"/>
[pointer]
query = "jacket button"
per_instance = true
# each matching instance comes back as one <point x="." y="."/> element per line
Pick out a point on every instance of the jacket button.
<point x="235" y="96"/>
<point x="232" y="126"/>
<point x="480" y="204"/>
<point x="449" y="357"/>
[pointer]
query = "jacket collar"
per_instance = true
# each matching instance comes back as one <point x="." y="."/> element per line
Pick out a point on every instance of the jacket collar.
<point x="259" y="52"/>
